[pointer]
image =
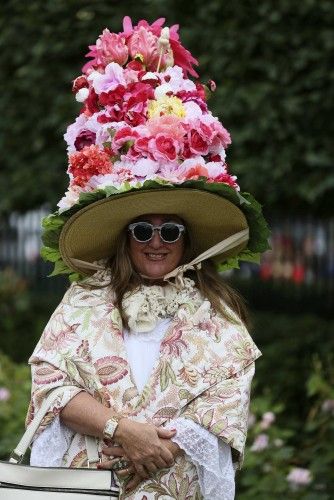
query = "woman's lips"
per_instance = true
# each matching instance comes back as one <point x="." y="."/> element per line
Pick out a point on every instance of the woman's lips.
<point x="156" y="256"/>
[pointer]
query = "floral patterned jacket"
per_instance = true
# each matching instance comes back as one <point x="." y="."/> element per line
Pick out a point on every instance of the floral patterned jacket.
<point x="203" y="373"/>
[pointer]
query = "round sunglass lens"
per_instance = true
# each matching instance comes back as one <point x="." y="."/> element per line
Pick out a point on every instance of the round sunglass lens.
<point x="170" y="232"/>
<point x="142" y="232"/>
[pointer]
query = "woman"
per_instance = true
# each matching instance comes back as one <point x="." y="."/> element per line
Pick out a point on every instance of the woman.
<point x="151" y="350"/>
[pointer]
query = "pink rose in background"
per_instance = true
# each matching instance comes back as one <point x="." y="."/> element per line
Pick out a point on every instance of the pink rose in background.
<point x="299" y="476"/>
<point x="267" y="419"/>
<point x="260" y="443"/>
<point x="143" y="43"/>
<point x="4" y="394"/>
<point x="109" y="80"/>
<point x="164" y="148"/>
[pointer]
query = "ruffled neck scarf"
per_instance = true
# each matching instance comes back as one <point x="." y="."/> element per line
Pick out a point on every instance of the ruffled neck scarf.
<point x="147" y="305"/>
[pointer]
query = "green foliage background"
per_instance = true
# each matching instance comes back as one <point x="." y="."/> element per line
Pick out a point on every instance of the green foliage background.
<point x="270" y="60"/>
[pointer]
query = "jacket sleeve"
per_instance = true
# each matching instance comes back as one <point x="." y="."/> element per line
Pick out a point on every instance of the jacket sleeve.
<point x="57" y="361"/>
<point x="223" y="410"/>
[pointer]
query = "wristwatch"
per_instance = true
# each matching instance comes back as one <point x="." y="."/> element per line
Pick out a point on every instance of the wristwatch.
<point x="110" y="427"/>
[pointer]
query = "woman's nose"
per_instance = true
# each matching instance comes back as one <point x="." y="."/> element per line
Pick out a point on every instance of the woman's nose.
<point x="156" y="241"/>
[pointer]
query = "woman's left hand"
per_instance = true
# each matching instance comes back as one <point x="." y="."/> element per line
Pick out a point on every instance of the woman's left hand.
<point x="117" y="452"/>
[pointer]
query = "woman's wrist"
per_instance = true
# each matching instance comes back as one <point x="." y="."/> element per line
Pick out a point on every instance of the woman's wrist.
<point x="120" y="428"/>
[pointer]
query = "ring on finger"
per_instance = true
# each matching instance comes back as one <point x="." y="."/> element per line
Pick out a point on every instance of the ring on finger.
<point x="120" y="465"/>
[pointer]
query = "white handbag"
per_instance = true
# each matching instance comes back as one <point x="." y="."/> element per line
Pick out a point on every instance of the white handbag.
<point x="18" y="482"/>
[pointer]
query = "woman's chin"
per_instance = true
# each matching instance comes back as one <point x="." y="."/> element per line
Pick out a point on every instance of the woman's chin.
<point x="157" y="270"/>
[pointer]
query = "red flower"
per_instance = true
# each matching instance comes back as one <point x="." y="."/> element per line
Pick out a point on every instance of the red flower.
<point x="164" y="148"/>
<point x="85" y="138"/>
<point x="194" y="96"/>
<point x="123" y="136"/>
<point x="79" y="83"/>
<point x="88" y="162"/>
<point x="113" y="97"/>
<point x="91" y="103"/>
<point x="135" y="65"/>
<point x="197" y="144"/>
<point x="141" y="145"/>
<point x="226" y="179"/>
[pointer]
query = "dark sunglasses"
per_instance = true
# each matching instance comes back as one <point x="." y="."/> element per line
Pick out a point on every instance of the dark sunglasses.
<point x="169" y="232"/>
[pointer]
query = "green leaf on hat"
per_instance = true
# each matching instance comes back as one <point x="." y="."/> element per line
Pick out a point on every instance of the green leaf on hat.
<point x="60" y="268"/>
<point x="50" y="254"/>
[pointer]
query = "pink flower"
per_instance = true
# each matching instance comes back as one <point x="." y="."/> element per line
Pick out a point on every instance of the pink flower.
<point x="196" y="172"/>
<point x="141" y="145"/>
<point x="228" y="179"/>
<point x="260" y="443"/>
<point x="267" y="419"/>
<point x="4" y="394"/>
<point x="167" y="124"/>
<point x="109" y="48"/>
<point x="164" y="148"/>
<point x="143" y="44"/>
<point x="299" y="477"/>
<point x="221" y="134"/>
<point x="197" y="144"/>
<point x="109" y="80"/>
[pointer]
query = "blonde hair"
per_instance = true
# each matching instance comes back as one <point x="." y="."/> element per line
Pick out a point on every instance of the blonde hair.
<point x="124" y="278"/>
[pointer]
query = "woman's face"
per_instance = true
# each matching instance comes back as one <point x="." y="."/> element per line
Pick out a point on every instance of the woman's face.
<point x="156" y="258"/>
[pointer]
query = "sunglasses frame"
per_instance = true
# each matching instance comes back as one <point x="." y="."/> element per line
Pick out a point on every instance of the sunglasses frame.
<point x="131" y="228"/>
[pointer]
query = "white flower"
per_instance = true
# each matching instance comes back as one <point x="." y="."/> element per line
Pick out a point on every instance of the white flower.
<point x="70" y="198"/>
<point x="193" y="111"/>
<point x="82" y="94"/>
<point x="299" y="477"/>
<point x="215" y="168"/>
<point x="144" y="167"/>
<point x="162" y="90"/>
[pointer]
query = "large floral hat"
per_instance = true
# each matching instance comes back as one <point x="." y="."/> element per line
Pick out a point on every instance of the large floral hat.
<point x="145" y="142"/>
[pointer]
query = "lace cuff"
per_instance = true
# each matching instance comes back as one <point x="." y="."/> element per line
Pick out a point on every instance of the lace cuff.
<point x="211" y="457"/>
<point x="49" y="447"/>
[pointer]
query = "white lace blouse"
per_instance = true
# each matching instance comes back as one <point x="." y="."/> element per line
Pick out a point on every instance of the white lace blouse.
<point x="211" y="456"/>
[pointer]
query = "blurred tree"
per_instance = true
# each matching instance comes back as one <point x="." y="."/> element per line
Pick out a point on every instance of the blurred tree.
<point x="271" y="61"/>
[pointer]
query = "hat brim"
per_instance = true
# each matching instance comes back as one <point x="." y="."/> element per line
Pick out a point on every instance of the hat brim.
<point x="91" y="233"/>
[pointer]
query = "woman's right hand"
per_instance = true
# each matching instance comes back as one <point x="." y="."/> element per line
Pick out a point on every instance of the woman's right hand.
<point x="141" y="444"/>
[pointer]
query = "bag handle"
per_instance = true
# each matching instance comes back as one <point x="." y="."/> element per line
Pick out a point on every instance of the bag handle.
<point x="18" y="453"/>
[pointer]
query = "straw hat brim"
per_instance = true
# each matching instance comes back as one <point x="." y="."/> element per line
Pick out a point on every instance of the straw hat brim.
<point x="91" y="234"/>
